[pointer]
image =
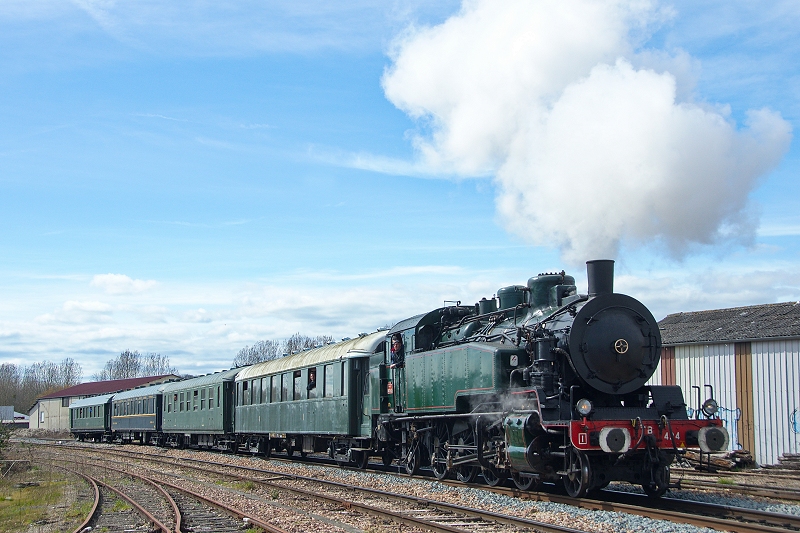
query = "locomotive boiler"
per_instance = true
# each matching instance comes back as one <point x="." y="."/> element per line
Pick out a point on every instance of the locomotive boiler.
<point x="540" y="384"/>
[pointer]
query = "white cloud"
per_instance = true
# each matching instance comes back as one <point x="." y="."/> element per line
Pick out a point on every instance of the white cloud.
<point x="79" y="312"/>
<point x="121" y="284"/>
<point x="593" y="144"/>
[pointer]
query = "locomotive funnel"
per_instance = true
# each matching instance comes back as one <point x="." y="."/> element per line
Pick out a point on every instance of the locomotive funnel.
<point x="601" y="276"/>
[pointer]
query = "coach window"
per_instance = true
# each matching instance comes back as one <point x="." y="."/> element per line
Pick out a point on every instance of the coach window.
<point x="298" y="385"/>
<point x="266" y="387"/>
<point x="311" y="385"/>
<point x="329" y="371"/>
<point x="194" y="400"/>
<point x="218" y="395"/>
<point x="210" y="397"/>
<point x="276" y="389"/>
<point x="255" y="392"/>
<point x="286" y="379"/>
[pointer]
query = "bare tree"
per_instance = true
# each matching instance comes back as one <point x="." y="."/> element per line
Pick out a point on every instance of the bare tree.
<point x="10" y="378"/>
<point x="155" y="364"/>
<point x="21" y="386"/>
<point x="298" y="342"/>
<point x="70" y="372"/>
<point x="267" y="350"/>
<point x="132" y="364"/>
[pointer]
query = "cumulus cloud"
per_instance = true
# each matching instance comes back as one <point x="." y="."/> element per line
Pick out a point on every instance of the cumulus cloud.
<point x="121" y="284"/>
<point x="78" y="312"/>
<point x="593" y="140"/>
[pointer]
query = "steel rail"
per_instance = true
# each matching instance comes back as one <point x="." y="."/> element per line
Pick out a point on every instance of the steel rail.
<point x="368" y="509"/>
<point x="227" y="509"/>
<point x="779" y="521"/>
<point x="478" y="513"/>
<point x="231" y="510"/>
<point x="170" y="499"/>
<point x="765" y="472"/>
<point x="96" y="504"/>
<point x="755" y="490"/>
<point x="138" y="507"/>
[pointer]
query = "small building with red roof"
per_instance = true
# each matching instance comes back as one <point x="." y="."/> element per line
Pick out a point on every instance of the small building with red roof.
<point x="51" y="411"/>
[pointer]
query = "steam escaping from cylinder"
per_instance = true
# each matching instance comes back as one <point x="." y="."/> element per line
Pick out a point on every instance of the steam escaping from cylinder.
<point x="592" y="140"/>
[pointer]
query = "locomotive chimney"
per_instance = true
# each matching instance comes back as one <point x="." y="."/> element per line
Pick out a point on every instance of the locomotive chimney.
<point x="601" y="276"/>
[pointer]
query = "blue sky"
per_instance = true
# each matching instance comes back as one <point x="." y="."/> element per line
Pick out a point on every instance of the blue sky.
<point x="191" y="179"/>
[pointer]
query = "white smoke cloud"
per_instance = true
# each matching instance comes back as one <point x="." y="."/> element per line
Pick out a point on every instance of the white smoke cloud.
<point x="592" y="141"/>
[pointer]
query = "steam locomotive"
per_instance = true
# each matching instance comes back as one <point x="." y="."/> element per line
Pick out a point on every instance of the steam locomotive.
<point x="548" y="386"/>
<point x="540" y="384"/>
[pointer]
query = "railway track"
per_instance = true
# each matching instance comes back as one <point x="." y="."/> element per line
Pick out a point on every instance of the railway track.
<point x="708" y="515"/>
<point x="166" y="507"/>
<point x="418" y="513"/>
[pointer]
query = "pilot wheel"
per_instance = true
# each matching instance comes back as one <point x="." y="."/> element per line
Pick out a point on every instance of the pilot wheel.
<point x="576" y="480"/>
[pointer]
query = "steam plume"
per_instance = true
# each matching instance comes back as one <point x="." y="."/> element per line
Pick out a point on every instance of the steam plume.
<point x="591" y="140"/>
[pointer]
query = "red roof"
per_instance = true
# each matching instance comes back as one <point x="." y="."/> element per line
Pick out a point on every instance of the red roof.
<point x="106" y="387"/>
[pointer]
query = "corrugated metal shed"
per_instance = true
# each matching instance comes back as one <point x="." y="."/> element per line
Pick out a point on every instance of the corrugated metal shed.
<point x="91" y="401"/>
<point x="751" y="358"/>
<point x="360" y="346"/>
<point x="202" y="381"/>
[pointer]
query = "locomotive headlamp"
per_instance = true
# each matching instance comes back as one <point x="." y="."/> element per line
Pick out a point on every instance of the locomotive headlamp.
<point x="584" y="407"/>
<point x="710" y="407"/>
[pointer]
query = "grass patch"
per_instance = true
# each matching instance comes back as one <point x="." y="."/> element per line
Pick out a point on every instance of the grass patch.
<point x="244" y="485"/>
<point x="120" y="505"/>
<point x="79" y="510"/>
<point x="20" y="507"/>
<point x="254" y="530"/>
<point x="726" y="481"/>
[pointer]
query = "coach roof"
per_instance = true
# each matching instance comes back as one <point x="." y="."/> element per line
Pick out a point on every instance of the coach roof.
<point x="91" y="401"/>
<point x="138" y="393"/>
<point x="363" y="345"/>
<point x="202" y="381"/>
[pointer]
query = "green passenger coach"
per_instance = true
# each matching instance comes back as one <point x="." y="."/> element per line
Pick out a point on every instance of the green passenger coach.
<point x="314" y="401"/>
<point x="136" y="415"/>
<point x="90" y="418"/>
<point x="198" y="412"/>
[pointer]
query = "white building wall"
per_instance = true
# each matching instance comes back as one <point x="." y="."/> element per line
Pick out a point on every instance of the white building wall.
<point x="698" y="365"/>
<point x="776" y="399"/>
<point x="656" y="377"/>
<point x="49" y="414"/>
